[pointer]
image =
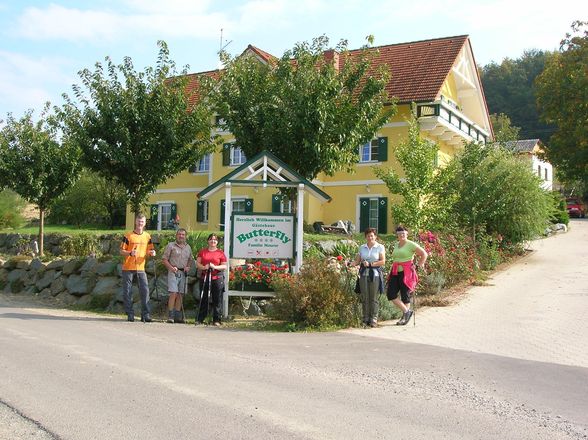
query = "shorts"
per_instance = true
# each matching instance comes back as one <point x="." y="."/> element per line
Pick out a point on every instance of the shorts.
<point x="395" y="285"/>
<point x="176" y="282"/>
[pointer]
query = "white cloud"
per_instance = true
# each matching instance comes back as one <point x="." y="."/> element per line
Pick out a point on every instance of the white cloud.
<point x="177" y="18"/>
<point x="58" y="22"/>
<point x="26" y="82"/>
<point x="183" y="7"/>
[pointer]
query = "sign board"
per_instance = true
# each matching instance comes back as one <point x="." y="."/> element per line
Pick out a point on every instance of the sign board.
<point x="260" y="235"/>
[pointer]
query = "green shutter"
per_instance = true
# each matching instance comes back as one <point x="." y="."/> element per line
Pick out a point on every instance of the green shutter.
<point x="382" y="215"/>
<point x="248" y="205"/>
<point x="364" y="214"/>
<point x="222" y="215"/>
<point x="276" y="199"/>
<point x="153" y="209"/>
<point x="200" y="210"/>
<point x="227" y="154"/>
<point x="382" y="149"/>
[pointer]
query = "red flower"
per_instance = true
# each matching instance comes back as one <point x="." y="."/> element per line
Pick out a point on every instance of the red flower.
<point x="339" y="258"/>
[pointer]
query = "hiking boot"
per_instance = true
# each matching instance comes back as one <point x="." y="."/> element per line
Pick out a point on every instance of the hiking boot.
<point x="373" y="324"/>
<point x="130" y="318"/>
<point x="216" y="324"/>
<point x="405" y="318"/>
<point x="146" y="318"/>
<point x="178" y="319"/>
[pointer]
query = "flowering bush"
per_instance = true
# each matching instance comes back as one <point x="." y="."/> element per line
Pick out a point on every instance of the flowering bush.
<point x="319" y="296"/>
<point x="451" y="254"/>
<point x="257" y="273"/>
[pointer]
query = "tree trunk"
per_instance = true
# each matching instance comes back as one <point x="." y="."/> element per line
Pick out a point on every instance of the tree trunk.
<point x="41" y="230"/>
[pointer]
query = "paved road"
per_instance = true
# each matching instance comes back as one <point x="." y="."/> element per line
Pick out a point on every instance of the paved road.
<point x="69" y="375"/>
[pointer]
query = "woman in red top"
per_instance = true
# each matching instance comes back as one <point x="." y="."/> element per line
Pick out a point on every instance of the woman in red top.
<point x="211" y="261"/>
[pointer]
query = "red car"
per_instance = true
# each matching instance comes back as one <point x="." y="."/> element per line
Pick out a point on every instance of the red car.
<point x="576" y="207"/>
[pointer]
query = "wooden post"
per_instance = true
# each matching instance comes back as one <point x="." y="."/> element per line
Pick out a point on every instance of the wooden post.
<point x="227" y="246"/>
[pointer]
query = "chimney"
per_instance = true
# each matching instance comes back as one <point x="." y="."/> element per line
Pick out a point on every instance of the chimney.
<point x="332" y="56"/>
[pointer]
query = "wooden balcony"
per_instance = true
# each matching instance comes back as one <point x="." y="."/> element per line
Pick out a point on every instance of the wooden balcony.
<point x="448" y="124"/>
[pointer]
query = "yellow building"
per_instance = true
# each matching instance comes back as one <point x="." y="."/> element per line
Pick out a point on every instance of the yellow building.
<point x="439" y="76"/>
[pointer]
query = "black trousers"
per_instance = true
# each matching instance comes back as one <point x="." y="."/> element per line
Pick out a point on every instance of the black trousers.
<point x="216" y="290"/>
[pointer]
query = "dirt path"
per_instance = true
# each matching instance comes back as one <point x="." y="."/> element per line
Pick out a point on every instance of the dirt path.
<point x="536" y="309"/>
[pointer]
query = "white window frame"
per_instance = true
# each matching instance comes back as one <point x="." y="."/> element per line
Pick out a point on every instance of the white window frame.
<point x="203" y="165"/>
<point x="205" y="212"/>
<point x="370" y="151"/>
<point x="239" y="200"/>
<point x="374" y="201"/>
<point x="286" y="206"/>
<point x="160" y="207"/>
<point x="237" y="154"/>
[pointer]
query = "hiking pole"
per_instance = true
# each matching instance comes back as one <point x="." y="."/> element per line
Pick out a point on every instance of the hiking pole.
<point x="200" y="299"/>
<point x="414" y="307"/>
<point x="413" y="300"/>
<point x="207" y="275"/>
<point x="209" y="301"/>
<point x="184" y="297"/>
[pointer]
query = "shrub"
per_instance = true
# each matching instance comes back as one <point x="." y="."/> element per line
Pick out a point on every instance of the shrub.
<point x="431" y="283"/>
<point x="81" y="245"/>
<point x="451" y="254"/>
<point x="489" y="252"/>
<point x="387" y="310"/>
<point x="490" y="188"/>
<point x="319" y="296"/>
<point x="560" y="212"/>
<point x="11" y="205"/>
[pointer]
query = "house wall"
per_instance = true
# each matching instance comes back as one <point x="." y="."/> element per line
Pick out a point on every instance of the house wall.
<point x="540" y="168"/>
<point x="346" y="189"/>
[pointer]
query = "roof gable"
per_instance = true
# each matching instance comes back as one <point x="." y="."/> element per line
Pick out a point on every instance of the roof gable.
<point x="265" y="169"/>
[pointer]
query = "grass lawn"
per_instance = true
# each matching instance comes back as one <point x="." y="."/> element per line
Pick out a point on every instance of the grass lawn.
<point x="61" y="229"/>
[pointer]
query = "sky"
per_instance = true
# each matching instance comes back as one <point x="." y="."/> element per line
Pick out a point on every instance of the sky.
<point x="44" y="44"/>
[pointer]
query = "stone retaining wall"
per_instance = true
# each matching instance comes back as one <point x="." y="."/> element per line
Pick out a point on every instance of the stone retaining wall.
<point x="12" y="243"/>
<point x="79" y="281"/>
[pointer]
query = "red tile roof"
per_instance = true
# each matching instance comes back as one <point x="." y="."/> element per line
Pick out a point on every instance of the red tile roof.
<point x="417" y="69"/>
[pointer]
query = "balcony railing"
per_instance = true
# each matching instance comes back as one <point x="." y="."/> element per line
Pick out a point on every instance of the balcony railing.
<point x="454" y="118"/>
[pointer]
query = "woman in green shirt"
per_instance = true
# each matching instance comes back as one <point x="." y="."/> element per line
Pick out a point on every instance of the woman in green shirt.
<point x="403" y="277"/>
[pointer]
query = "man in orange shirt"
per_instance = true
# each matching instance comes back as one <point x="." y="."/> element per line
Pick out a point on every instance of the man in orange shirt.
<point x="135" y="246"/>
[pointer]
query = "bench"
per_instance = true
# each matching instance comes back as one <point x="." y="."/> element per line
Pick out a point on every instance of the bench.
<point x="334" y="229"/>
<point x="251" y="293"/>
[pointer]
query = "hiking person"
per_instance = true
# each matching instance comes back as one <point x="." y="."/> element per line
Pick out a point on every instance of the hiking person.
<point x="403" y="277"/>
<point x="211" y="261"/>
<point x="370" y="259"/>
<point x="177" y="258"/>
<point x="135" y="246"/>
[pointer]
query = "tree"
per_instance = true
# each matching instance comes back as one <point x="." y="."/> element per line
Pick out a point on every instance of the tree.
<point x="493" y="190"/>
<point x="417" y="157"/>
<point x="562" y="96"/>
<point x="138" y="128"/>
<point x="302" y="107"/>
<point x="34" y="163"/>
<point x="504" y="131"/>
<point x="509" y="89"/>
<point x="92" y="199"/>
